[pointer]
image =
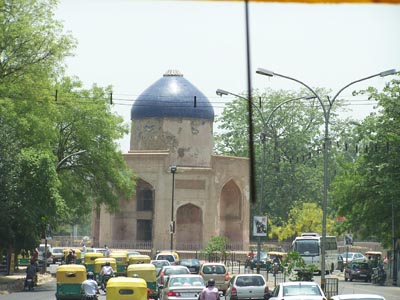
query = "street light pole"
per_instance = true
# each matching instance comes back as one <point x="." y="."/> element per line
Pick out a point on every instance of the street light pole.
<point x="172" y="223"/>
<point x="263" y="137"/>
<point x="326" y="107"/>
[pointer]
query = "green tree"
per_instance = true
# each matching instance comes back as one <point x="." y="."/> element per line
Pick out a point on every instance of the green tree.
<point x="293" y="168"/>
<point x="58" y="154"/>
<point x="216" y="244"/>
<point x="303" y="217"/>
<point x="367" y="188"/>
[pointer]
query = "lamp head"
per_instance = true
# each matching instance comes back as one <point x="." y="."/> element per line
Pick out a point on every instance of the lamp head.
<point x="388" y="72"/>
<point x="172" y="169"/>
<point x="221" y="92"/>
<point x="265" y="72"/>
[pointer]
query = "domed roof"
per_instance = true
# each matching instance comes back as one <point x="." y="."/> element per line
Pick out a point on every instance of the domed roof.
<point x="172" y="96"/>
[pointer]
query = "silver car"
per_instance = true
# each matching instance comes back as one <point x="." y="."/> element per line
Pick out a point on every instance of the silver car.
<point x="247" y="286"/>
<point x="357" y="297"/>
<point x="296" y="290"/>
<point x="182" y="287"/>
<point x="167" y="271"/>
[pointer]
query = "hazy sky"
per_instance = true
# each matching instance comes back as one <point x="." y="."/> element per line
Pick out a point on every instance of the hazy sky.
<point x="130" y="44"/>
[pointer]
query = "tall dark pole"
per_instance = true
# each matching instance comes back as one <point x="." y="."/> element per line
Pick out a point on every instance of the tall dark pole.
<point x="172" y="224"/>
<point x="326" y="107"/>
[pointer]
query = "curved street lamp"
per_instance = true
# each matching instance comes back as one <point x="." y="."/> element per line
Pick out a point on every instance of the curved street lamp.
<point x="326" y="110"/>
<point x="263" y="136"/>
<point x="172" y="223"/>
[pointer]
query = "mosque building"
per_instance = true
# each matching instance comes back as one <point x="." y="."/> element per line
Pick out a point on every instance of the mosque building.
<point x="182" y="186"/>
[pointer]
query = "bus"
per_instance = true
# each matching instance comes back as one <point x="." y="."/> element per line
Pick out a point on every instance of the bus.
<point x="308" y="245"/>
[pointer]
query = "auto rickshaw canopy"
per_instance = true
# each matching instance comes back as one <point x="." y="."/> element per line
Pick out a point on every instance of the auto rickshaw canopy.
<point x="144" y="271"/>
<point x="90" y="257"/>
<point x="71" y="274"/>
<point x="100" y="262"/>
<point x="139" y="259"/>
<point x="78" y="253"/>
<point x="126" y="288"/>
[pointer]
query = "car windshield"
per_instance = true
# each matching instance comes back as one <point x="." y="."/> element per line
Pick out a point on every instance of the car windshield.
<point x="296" y="290"/>
<point x="214" y="270"/>
<point x="55" y="250"/>
<point x="176" y="271"/>
<point x="250" y="281"/>
<point x="363" y="266"/>
<point x="189" y="262"/>
<point x="170" y="258"/>
<point x="307" y="247"/>
<point x="187" y="281"/>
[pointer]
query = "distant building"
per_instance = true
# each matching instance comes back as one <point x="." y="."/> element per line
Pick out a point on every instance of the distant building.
<point x="172" y="125"/>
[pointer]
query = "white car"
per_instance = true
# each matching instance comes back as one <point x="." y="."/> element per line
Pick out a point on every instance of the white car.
<point x="348" y="257"/>
<point x="298" y="290"/>
<point x="247" y="286"/>
<point x="186" y="286"/>
<point x="357" y="297"/>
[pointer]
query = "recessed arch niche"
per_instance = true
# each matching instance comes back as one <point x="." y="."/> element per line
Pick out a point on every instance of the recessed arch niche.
<point x="231" y="212"/>
<point x="189" y="226"/>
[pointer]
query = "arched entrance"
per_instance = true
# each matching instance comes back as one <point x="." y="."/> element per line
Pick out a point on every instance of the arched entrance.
<point x="125" y="225"/>
<point x="231" y="213"/>
<point x="189" y="227"/>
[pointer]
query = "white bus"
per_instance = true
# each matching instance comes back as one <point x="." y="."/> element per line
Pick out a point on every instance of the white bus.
<point x="309" y="247"/>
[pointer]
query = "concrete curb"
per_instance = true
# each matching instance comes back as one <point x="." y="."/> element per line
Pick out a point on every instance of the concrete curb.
<point x="16" y="283"/>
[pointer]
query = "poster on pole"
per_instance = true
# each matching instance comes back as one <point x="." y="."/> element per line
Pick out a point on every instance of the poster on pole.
<point x="260" y="226"/>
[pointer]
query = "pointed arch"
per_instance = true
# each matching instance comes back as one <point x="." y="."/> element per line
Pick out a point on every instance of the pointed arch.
<point x="231" y="212"/>
<point x="189" y="226"/>
<point x="142" y="205"/>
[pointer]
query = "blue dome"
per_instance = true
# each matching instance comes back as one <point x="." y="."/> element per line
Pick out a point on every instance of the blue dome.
<point x="172" y="96"/>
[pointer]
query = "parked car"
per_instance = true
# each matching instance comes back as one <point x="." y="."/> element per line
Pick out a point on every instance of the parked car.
<point x="186" y="286"/>
<point x="57" y="254"/>
<point x="358" y="270"/>
<point x="218" y="272"/>
<point x="159" y="264"/>
<point x="357" y="297"/>
<point x="348" y="257"/>
<point x="247" y="286"/>
<point x="293" y="289"/>
<point x="166" y="271"/>
<point x="193" y="264"/>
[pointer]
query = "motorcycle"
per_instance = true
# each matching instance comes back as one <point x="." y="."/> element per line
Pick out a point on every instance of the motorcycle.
<point x="378" y="276"/>
<point x="104" y="282"/>
<point x="29" y="283"/>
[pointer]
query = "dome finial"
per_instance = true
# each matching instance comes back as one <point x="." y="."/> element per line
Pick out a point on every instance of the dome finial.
<point x="173" y="73"/>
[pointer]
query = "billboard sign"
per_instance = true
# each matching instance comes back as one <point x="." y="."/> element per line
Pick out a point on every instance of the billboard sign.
<point x="260" y="226"/>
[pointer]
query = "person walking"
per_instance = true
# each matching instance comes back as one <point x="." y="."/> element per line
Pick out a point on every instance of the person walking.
<point x="210" y="292"/>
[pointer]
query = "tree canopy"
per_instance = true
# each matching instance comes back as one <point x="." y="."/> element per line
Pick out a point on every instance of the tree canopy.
<point x="59" y="156"/>
<point x="293" y="148"/>
<point x="366" y="189"/>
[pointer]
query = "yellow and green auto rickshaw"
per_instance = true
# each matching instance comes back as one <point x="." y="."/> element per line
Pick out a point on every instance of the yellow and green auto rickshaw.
<point x="69" y="280"/>
<point x="139" y="259"/>
<point x="77" y="256"/>
<point x="99" y="263"/>
<point x="125" y="288"/>
<point x="90" y="257"/>
<point x="275" y="259"/>
<point x="146" y="272"/>
<point x="121" y="258"/>
<point x="374" y="258"/>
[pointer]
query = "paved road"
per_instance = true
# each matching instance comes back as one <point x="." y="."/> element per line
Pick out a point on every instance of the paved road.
<point x="47" y="290"/>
